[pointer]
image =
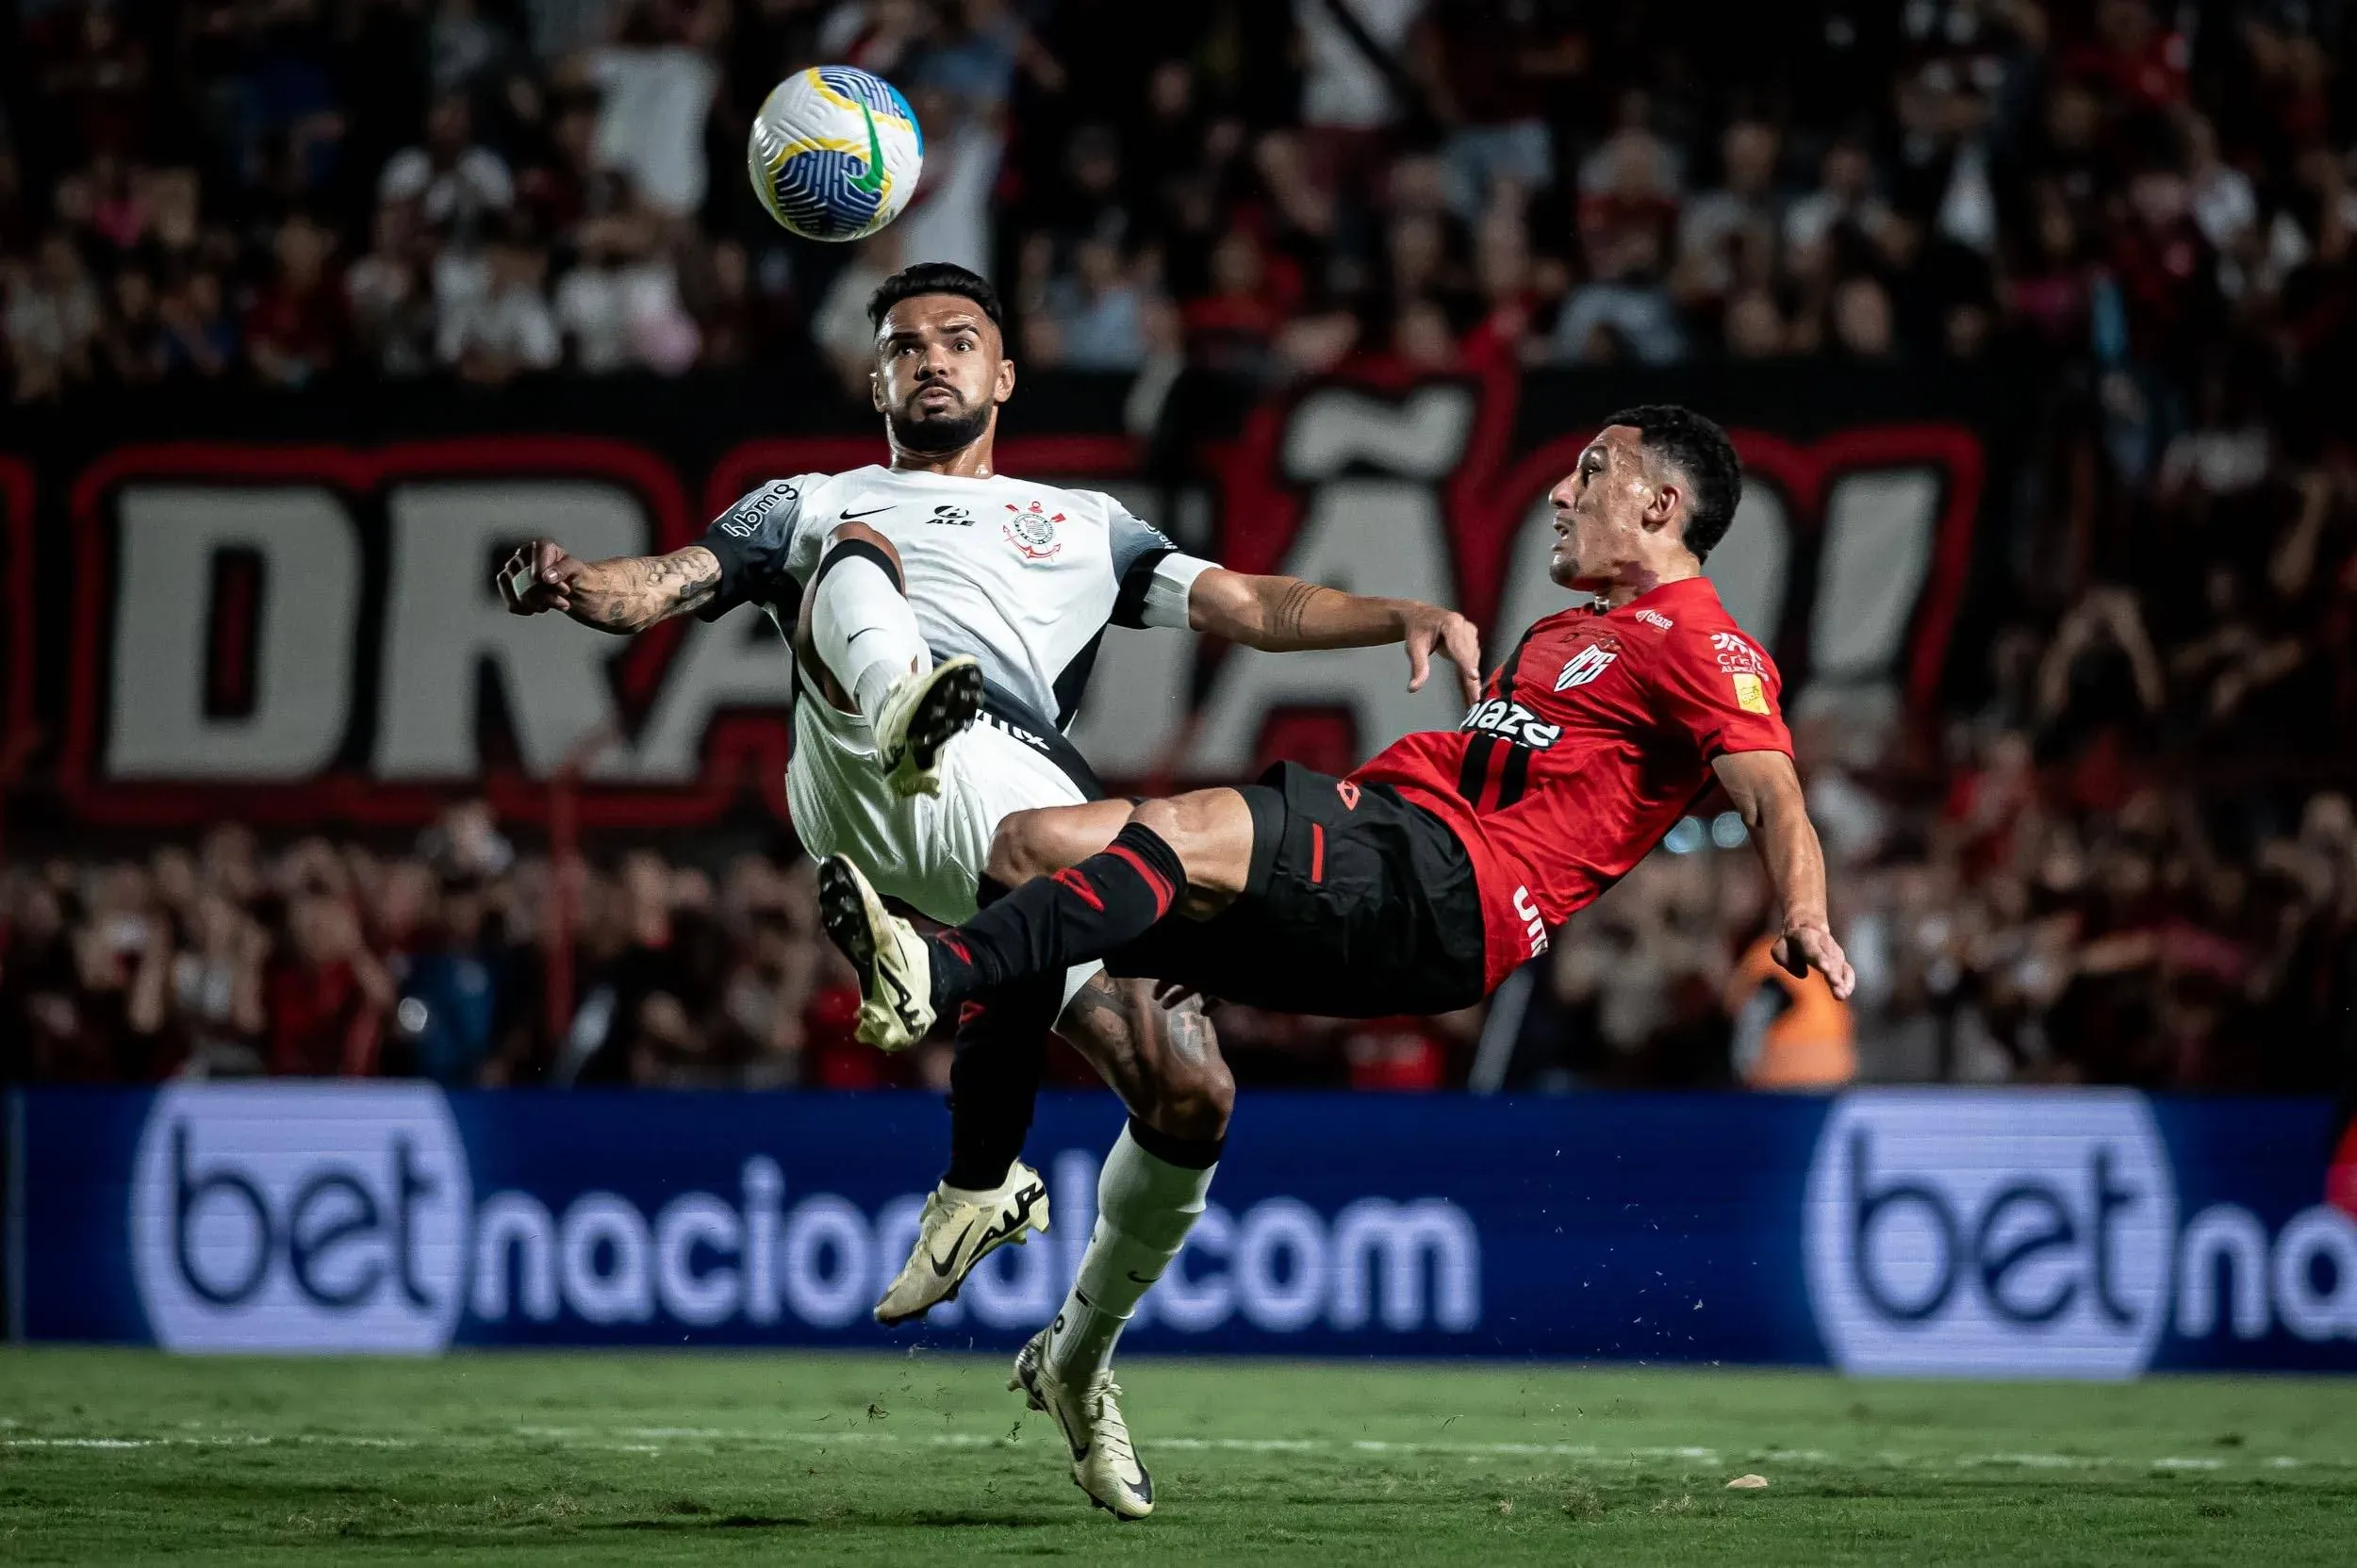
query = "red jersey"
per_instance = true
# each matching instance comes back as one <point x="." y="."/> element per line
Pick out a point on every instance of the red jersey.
<point x="1594" y="737"/>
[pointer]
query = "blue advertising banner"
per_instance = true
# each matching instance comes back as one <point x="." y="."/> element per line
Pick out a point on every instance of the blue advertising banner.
<point x="2015" y="1233"/>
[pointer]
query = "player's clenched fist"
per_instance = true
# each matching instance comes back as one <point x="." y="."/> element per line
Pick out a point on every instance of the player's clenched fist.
<point x="539" y="576"/>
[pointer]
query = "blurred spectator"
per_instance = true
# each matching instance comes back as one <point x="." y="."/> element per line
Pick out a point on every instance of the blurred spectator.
<point x="1353" y="86"/>
<point x="455" y="184"/>
<point x="503" y="329"/>
<point x="1745" y="202"/>
<point x="619" y="305"/>
<point x="1099" y="311"/>
<point x="389" y="301"/>
<point x="53" y="319"/>
<point x="1623" y="312"/>
<point x="292" y="328"/>
<point x="655" y="86"/>
<point x="203" y="337"/>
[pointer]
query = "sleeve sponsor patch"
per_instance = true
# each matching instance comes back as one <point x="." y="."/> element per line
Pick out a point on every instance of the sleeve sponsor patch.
<point x="1749" y="694"/>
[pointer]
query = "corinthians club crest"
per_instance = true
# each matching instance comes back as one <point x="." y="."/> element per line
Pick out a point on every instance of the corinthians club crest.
<point x="1032" y="531"/>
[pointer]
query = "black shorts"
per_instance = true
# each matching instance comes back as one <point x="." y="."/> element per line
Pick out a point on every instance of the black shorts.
<point x="1358" y="905"/>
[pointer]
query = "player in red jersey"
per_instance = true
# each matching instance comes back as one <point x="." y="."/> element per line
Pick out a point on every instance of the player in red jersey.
<point x="1420" y="882"/>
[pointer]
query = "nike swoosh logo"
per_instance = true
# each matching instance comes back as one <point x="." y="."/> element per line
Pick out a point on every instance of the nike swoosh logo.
<point x="870" y="513"/>
<point x="944" y="1265"/>
<point x="873" y="180"/>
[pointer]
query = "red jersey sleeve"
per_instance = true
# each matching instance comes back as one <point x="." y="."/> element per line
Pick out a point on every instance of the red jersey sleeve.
<point x="1717" y="687"/>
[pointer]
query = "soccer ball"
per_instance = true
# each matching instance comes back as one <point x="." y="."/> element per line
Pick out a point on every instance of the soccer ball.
<point x="835" y="152"/>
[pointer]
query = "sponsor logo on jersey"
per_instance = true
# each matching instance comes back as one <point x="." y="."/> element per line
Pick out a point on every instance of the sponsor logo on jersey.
<point x="1004" y="728"/>
<point x="1584" y="666"/>
<point x="1749" y="694"/>
<point x="948" y="516"/>
<point x="1349" y="792"/>
<point x="1032" y="531"/>
<point x="1534" y="926"/>
<point x="1513" y="721"/>
<point x="744" y="518"/>
<point x="1737" y="656"/>
<point x="1654" y="617"/>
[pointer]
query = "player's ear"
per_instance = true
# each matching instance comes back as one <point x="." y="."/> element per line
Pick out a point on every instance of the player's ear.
<point x="1005" y="387"/>
<point x="876" y="391"/>
<point x="1662" y="505"/>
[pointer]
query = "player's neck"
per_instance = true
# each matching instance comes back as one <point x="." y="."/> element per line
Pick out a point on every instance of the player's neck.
<point x="1637" y="579"/>
<point x="974" y="460"/>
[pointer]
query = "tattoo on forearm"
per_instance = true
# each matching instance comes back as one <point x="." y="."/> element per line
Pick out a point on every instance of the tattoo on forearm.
<point x="635" y="593"/>
<point x="1286" y="619"/>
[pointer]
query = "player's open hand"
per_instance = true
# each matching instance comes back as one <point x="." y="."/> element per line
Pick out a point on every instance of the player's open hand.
<point x="539" y="576"/>
<point x="1430" y="629"/>
<point x="1802" y="947"/>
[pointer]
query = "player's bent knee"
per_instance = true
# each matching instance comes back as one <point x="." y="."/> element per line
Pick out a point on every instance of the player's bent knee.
<point x="1198" y="1104"/>
<point x="1046" y="839"/>
<point x="845" y="533"/>
<point x="1210" y="831"/>
<point x="1022" y="847"/>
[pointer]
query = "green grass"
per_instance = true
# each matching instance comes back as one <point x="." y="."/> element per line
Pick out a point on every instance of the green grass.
<point x="120" y="1457"/>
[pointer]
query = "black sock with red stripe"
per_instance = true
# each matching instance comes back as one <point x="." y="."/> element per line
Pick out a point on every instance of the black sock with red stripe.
<point x="1050" y="924"/>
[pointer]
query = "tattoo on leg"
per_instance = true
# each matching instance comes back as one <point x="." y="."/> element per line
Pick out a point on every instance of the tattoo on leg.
<point x="1190" y="1031"/>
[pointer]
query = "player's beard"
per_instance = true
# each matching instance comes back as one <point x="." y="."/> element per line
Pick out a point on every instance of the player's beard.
<point x="941" y="433"/>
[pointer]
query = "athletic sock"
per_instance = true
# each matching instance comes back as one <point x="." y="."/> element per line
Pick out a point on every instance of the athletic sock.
<point x="1050" y="924"/>
<point x="1001" y="1050"/>
<point x="1148" y="1199"/>
<point x="863" y="626"/>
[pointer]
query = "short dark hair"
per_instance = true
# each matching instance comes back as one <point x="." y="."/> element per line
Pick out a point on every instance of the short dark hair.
<point x="934" y="277"/>
<point x="1701" y="451"/>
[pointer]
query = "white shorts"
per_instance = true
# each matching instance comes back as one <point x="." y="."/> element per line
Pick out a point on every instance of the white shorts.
<point x="929" y="851"/>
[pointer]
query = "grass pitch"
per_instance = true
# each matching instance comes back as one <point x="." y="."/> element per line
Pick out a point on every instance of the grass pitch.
<point x="120" y="1457"/>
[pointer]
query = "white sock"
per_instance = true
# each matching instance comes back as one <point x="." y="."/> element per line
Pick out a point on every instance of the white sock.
<point x="866" y="630"/>
<point x="1145" y="1208"/>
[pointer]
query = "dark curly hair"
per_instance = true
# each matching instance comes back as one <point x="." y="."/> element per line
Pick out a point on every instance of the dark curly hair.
<point x="934" y="277"/>
<point x="1700" y="450"/>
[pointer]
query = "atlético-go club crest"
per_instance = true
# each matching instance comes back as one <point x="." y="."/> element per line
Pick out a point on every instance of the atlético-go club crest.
<point x="1032" y="531"/>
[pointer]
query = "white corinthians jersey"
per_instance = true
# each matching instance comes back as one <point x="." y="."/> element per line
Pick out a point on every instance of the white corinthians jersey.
<point x="1023" y="576"/>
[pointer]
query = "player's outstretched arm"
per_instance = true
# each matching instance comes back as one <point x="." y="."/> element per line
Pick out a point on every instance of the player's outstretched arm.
<point x="628" y="593"/>
<point x="1285" y="614"/>
<point x="1766" y="794"/>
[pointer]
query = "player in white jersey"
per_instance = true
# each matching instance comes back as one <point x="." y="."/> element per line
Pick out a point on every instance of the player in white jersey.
<point x="918" y="598"/>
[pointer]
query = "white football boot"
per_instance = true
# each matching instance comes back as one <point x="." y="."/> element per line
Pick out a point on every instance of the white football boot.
<point x="896" y="976"/>
<point x="921" y="713"/>
<point x="1088" y="1414"/>
<point x="957" y="1231"/>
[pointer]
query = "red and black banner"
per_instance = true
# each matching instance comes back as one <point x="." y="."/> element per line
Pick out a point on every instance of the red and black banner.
<point x="234" y="607"/>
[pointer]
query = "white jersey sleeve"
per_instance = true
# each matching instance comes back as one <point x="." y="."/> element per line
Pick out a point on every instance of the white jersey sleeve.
<point x="1155" y="577"/>
<point x="752" y="540"/>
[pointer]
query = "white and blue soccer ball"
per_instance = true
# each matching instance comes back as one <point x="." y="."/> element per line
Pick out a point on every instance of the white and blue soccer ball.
<point x="835" y="152"/>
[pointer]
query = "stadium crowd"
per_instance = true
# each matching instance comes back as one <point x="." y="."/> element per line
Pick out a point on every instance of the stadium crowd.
<point x="2125" y="855"/>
